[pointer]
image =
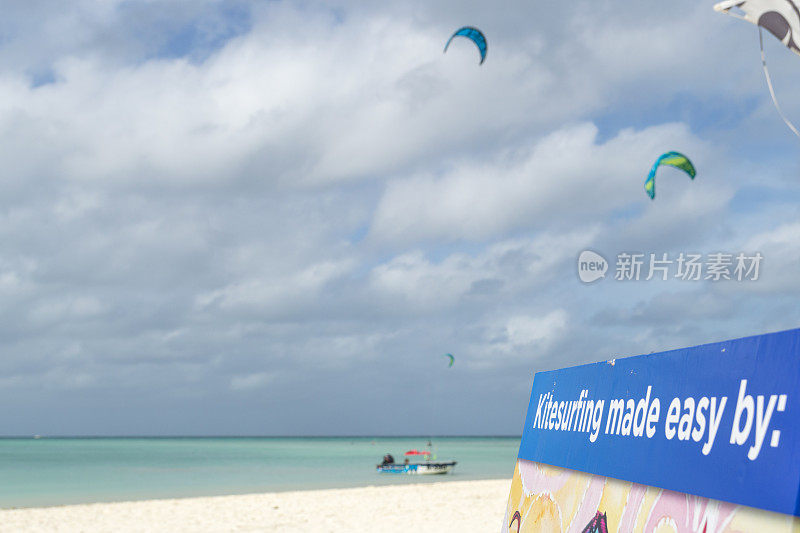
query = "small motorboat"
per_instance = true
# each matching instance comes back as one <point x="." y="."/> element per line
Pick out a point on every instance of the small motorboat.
<point x="428" y="467"/>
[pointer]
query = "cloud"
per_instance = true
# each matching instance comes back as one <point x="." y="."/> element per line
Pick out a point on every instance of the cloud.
<point x="230" y="207"/>
<point x="556" y="182"/>
<point x="250" y="381"/>
<point x="272" y="292"/>
<point x="527" y="332"/>
<point x="509" y="267"/>
<point x="780" y="248"/>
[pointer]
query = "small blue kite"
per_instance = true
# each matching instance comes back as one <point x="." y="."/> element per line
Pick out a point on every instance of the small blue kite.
<point x="473" y="34"/>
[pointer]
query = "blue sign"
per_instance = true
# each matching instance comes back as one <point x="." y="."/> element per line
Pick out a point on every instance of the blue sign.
<point x="719" y="420"/>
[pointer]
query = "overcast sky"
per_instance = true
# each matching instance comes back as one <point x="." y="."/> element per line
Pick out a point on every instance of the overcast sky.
<point x="274" y="218"/>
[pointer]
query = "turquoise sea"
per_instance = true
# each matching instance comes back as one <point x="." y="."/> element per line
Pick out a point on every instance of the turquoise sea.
<point x="56" y="471"/>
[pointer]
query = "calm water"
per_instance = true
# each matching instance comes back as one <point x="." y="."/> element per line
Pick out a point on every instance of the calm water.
<point x="52" y="471"/>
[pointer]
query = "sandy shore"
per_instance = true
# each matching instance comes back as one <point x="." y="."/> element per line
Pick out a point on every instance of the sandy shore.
<point x="462" y="506"/>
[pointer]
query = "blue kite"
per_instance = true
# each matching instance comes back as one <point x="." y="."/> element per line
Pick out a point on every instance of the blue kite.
<point x="475" y="35"/>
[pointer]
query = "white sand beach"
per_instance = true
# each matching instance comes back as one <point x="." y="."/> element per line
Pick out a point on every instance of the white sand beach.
<point x="463" y="506"/>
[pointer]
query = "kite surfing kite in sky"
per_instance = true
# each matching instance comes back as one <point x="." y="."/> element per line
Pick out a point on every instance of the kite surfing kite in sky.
<point x="452" y="359"/>
<point x="672" y="159"/>
<point x="779" y="17"/>
<point x="475" y="35"/>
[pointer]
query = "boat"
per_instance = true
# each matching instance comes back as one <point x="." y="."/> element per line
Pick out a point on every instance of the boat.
<point x="428" y="467"/>
<point x="417" y="468"/>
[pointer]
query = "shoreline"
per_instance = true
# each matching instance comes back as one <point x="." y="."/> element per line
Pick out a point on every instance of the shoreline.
<point x="399" y="481"/>
<point x="475" y="505"/>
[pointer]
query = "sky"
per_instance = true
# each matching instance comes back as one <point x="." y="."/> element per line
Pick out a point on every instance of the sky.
<point x="274" y="218"/>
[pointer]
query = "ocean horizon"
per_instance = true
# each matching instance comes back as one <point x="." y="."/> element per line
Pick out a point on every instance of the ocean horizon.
<point x="46" y="470"/>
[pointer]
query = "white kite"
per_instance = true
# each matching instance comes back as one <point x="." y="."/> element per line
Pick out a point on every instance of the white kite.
<point x="779" y="17"/>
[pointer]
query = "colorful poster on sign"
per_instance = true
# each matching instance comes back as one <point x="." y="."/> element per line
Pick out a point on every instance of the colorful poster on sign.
<point x="702" y="440"/>
<point x="551" y="499"/>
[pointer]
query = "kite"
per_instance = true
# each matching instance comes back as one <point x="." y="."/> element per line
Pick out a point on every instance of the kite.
<point x="473" y="34"/>
<point x="452" y="359"/>
<point x="673" y="159"/>
<point x="779" y="17"/>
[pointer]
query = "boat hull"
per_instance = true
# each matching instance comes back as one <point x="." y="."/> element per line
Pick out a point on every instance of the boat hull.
<point x="418" y="469"/>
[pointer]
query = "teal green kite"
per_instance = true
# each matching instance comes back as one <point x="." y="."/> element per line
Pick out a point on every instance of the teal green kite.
<point x="672" y="159"/>
<point x="452" y="359"/>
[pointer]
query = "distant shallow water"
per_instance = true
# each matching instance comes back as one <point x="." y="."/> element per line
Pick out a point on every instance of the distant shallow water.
<point x="57" y="471"/>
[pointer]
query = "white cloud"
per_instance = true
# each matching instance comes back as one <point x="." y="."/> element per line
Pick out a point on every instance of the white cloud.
<point x="317" y="193"/>
<point x="250" y="381"/>
<point x="271" y="291"/>
<point x="525" y="331"/>
<point x="524" y="337"/>
<point x="567" y="177"/>
<point x="413" y="281"/>
<point x="780" y="268"/>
